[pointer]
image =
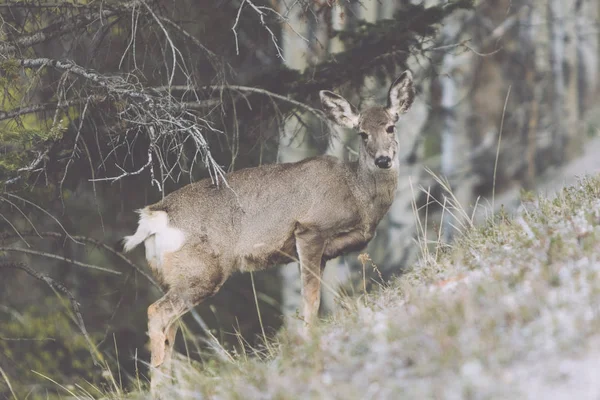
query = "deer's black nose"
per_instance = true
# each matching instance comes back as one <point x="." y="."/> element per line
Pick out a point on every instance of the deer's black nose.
<point x="383" y="162"/>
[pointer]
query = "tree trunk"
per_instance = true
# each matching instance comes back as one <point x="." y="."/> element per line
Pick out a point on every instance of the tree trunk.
<point x="294" y="143"/>
<point x="296" y="139"/>
<point x="558" y="94"/>
<point x="337" y="271"/>
<point x="586" y="14"/>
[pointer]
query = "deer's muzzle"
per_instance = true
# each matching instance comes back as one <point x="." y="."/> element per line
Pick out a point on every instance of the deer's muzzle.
<point x="383" y="162"/>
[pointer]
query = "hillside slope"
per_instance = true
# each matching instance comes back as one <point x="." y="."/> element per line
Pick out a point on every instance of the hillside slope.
<point x="512" y="310"/>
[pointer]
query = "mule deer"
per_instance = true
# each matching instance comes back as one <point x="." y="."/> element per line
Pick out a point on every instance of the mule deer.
<point x="312" y="210"/>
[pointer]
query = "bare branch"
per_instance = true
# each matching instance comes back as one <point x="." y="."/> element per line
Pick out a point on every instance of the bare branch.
<point x="113" y="179"/>
<point x="56" y="257"/>
<point x="212" y="56"/>
<point x="163" y="117"/>
<point x="48" y="106"/>
<point x="115" y="84"/>
<point x="41" y="156"/>
<point x="261" y="15"/>
<point x="5" y="377"/>
<point x="233" y="28"/>
<point x="111" y="250"/>
<point x="24" y="216"/>
<point x="249" y="89"/>
<point x="44" y="211"/>
<point x="14" y="228"/>
<point x="84" y="239"/>
<point x="74" y="151"/>
<point x="64" y="27"/>
<point x="10" y="339"/>
<point x="173" y="48"/>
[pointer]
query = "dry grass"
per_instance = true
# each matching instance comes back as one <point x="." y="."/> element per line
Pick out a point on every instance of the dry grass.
<point x="512" y="310"/>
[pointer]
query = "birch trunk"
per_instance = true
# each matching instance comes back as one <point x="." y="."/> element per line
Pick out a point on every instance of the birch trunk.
<point x="294" y="144"/>
<point x="558" y="95"/>
<point x="586" y="15"/>
<point x="338" y="271"/>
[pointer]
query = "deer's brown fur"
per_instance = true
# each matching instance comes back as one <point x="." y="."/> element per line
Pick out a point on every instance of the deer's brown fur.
<point x="312" y="210"/>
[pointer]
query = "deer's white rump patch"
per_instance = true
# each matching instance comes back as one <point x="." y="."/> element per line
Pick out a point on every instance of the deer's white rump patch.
<point x="159" y="238"/>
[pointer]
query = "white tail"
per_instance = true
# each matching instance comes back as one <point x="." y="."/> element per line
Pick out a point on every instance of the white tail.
<point x="159" y="237"/>
<point x="149" y="224"/>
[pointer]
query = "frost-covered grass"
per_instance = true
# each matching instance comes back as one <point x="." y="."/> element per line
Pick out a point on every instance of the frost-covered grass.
<point x="512" y="310"/>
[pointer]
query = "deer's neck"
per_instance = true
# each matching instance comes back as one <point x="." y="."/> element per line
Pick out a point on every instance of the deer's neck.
<point x="376" y="186"/>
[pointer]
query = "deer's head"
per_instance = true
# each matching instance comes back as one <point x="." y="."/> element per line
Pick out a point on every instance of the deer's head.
<point x="376" y="125"/>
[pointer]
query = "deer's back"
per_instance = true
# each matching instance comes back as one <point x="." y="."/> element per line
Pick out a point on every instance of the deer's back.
<point x="253" y="219"/>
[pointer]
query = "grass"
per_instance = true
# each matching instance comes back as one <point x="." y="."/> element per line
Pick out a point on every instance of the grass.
<point x="510" y="310"/>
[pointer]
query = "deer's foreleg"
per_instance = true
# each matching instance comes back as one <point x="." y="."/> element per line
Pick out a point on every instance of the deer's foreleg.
<point x="310" y="247"/>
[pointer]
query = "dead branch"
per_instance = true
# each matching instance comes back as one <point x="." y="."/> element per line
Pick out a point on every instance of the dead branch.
<point x="38" y="208"/>
<point x="212" y="57"/>
<point x="249" y="89"/>
<point x="262" y="11"/>
<point x="82" y="239"/>
<point x="113" y="179"/>
<point x="61" y="28"/>
<point x="4" y="115"/>
<point x="114" y="84"/>
<point x="57" y="257"/>
<point x="164" y="119"/>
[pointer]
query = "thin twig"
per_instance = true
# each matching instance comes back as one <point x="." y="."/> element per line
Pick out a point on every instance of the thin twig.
<point x="5" y="377"/>
<point x="62" y="28"/>
<point x="44" y="211"/>
<point x="85" y="239"/>
<point x="4" y="115"/>
<point x="62" y="258"/>
<point x="261" y="16"/>
<point x="173" y="48"/>
<point x="249" y="89"/>
<point x="498" y="148"/>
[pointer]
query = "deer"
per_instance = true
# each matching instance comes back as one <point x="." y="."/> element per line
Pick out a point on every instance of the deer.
<point x="313" y="211"/>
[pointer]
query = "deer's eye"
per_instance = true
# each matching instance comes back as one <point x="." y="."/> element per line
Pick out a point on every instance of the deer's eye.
<point x="364" y="135"/>
<point x="390" y="129"/>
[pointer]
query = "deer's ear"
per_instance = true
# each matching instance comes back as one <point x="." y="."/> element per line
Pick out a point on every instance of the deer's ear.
<point x="401" y="95"/>
<point x="338" y="109"/>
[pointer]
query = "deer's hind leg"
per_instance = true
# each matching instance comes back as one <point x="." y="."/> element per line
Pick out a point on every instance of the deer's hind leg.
<point x="162" y="328"/>
<point x="170" y="344"/>
<point x="190" y="280"/>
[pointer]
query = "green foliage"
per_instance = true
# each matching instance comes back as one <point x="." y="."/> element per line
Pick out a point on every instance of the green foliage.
<point x="44" y="340"/>
<point x="10" y="69"/>
<point x="20" y="144"/>
<point x="25" y="137"/>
